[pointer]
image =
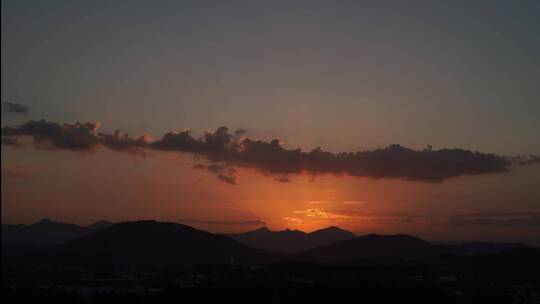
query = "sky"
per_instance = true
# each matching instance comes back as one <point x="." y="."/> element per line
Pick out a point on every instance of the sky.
<point x="439" y="98"/>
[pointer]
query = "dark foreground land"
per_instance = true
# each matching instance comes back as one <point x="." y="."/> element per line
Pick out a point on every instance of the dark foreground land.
<point x="487" y="278"/>
<point x="154" y="262"/>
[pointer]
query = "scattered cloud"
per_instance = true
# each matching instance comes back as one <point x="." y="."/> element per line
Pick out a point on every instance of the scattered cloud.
<point x="199" y="166"/>
<point x="283" y="179"/>
<point x="488" y="219"/>
<point x="354" y="203"/>
<point x="230" y="207"/>
<point x="227" y="178"/>
<point x="15" y="108"/>
<point x="526" y="159"/>
<point x="492" y="219"/>
<point x="292" y="220"/>
<point x="321" y="214"/>
<point x="240" y="132"/>
<point x="222" y="172"/>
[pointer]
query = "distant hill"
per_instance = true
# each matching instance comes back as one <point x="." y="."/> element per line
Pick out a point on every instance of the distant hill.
<point x="47" y="232"/>
<point x="472" y="248"/>
<point x="157" y="244"/>
<point x="372" y="246"/>
<point x="290" y="241"/>
<point x="151" y="243"/>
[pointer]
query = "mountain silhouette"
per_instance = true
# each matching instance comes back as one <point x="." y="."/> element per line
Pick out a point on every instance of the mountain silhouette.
<point x="473" y="248"/>
<point x="290" y="241"/>
<point x="47" y="232"/>
<point x="156" y="244"/>
<point x="152" y="243"/>
<point x="372" y="246"/>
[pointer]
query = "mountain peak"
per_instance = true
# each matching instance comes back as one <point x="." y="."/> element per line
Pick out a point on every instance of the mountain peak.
<point x="334" y="230"/>
<point x="45" y="221"/>
<point x="289" y="240"/>
<point x="48" y="232"/>
<point x="398" y="238"/>
<point x="331" y="228"/>
<point x="292" y="232"/>
<point x="373" y="246"/>
<point x="100" y="224"/>
<point x="171" y="243"/>
<point x="263" y="229"/>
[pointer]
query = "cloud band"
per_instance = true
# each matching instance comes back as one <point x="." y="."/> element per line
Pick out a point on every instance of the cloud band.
<point x="226" y="149"/>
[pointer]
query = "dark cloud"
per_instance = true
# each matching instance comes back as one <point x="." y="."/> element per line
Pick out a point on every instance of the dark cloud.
<point x="232" y="223"/>
<point x="49" y="135"/>
<point x="394" y="161"/>
<point x="223" y="172"/>
<point x="122" y="142"/>
<point x="526" y="159"/>
<point x="13" y="107"/>
<point x="229" y="179"/>
<point x="224" y="151"/>
<point x="210" y="144"/>
<point x="240" y="132"/>
<point x="199" y="166"/>
<point x="216" y="168"/>
<point x="283" y="179"/>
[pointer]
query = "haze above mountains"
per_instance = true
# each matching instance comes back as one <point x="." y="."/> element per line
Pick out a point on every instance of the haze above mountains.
<point x="47" y="232"/>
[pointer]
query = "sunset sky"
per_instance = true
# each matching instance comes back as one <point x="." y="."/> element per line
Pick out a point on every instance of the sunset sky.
<point x="417" y="87"/>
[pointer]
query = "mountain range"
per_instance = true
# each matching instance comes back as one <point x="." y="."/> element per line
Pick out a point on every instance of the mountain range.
<point x="152" y="243"/>
<point x="290" y="241"/>
<point x="372" y="246"/>
<point x="48" y="232"/>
